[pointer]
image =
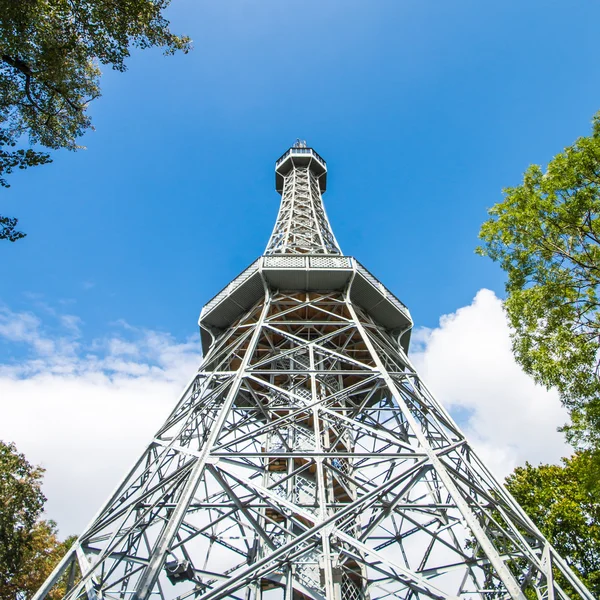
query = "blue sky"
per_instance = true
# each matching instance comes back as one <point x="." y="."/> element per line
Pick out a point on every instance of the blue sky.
<point x="423" y="110"/>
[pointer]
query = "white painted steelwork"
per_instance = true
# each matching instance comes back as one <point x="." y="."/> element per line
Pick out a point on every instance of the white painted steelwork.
<point x="306" y="459"/>
<point x="302" y="226"/>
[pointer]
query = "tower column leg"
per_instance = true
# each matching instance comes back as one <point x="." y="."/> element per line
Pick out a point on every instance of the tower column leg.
<point x="148" y="579"/>
<point x="488" y="548"/>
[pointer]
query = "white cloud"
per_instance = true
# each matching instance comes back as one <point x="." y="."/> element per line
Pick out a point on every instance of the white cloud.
<point x="71" y="323"/>
<point x="85" y="411"/>
<point x="468" y="365"/>
<point x="23" y="327"/>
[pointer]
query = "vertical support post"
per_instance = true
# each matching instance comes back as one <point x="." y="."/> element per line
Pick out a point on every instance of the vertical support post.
<point x="326" y="556"/>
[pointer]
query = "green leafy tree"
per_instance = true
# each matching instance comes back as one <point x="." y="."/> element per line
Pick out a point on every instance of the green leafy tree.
<point x="546" y="236"/>
<point x="29" y="546"/>
<point x="50" y="57"/>
<point x="561" y="504"/>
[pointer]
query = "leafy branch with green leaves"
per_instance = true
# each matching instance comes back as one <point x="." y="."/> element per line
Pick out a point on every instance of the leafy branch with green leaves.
<point x="29" y="545"/>
<point x="565" y="508"/>
<point x="545" y="235"/>
<point x="50" y="57"/>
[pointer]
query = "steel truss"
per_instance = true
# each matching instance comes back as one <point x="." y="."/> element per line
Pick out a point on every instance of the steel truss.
<point x="302" y="225"/>
<point x="306" y="459"/>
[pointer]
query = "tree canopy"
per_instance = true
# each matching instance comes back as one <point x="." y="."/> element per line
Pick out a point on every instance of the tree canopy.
<point x="50" y="57"/>
<point x="546" y="235"/>
<point x="29" y="546"/>
<point x="559" y="501"/>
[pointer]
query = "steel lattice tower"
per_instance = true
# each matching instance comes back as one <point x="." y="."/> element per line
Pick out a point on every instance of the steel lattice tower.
<point x="306" y="459"/>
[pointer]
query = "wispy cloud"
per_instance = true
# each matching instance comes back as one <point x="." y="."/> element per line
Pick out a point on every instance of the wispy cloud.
<point x="86" y="409"/>
<point x="25" y="327"/>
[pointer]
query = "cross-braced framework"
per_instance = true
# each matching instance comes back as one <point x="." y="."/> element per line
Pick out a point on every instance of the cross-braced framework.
<point x="307" y="460"/>
<point x="302" y="225"/>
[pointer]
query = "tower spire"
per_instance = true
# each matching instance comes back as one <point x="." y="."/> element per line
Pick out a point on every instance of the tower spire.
<point x="307" y="460"/>
<point x="302" y="226"/>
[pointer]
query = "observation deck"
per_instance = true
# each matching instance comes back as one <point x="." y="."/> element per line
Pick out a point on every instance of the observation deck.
<point x="294" y="272"/>
<point x="299" y="156"/>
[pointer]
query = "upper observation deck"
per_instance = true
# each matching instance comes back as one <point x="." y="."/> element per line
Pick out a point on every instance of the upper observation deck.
<point x="299" y="155"/>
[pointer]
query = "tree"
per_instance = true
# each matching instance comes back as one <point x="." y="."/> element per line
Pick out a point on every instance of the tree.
<point x="50" y="52"/>
<point x="559" y="502"/>
<point x="546" y="236"/>
<point x="29" y="546"/>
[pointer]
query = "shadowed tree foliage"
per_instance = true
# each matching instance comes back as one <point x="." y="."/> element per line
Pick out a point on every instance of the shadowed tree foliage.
<point x="559" y="501"/>
<point x="29" y="546"/>
<point x="50" y="57"/>
<point x="546" y="236"/>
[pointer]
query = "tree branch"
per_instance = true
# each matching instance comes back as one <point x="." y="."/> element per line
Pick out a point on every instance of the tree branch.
<point x="26" y="70"/>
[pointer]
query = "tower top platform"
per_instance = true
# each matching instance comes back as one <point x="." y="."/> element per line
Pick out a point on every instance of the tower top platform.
<point x="299" y="155"/>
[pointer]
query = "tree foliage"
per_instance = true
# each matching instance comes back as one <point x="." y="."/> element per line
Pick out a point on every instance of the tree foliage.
<point x="561" y="504"/>
<point x="546" y="236"/>
<point x="50" y="57"/>
<point x="29" y="546"/>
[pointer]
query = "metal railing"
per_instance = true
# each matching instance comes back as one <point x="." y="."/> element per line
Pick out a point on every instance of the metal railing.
<point x="307" y="261"/>
<point x="292" y="151"/>
<point x="381" y="288"/>
<point x="226" y="291"/>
